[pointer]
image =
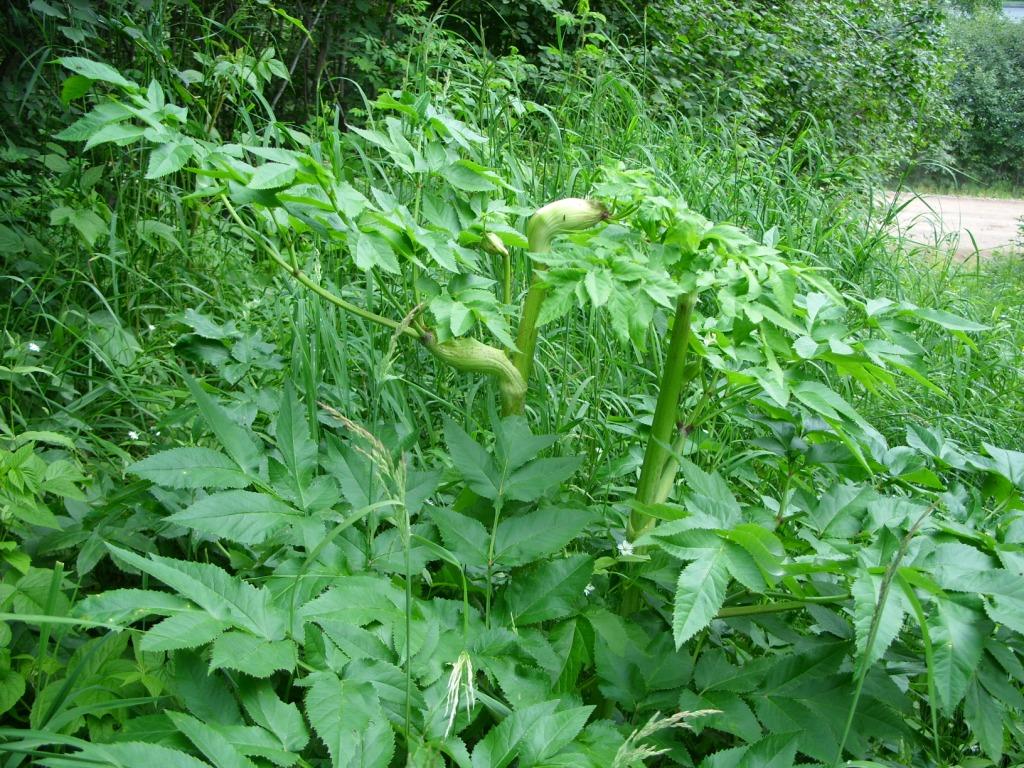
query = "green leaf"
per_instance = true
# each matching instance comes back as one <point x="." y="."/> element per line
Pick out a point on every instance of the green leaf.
<point x="184" y="630"/>
<point x="552" y="590"/>
<point x="268" y="711"/>
<point x="504" y="741"/>
<point x="463" y="536"/>
<point x="253" y="655"/>
<point x="235" y="440"/>
<point x="356" y="600"/>
<point x="168" y="158"/>
<point x="242" y="516"/>
<point x="129" y="754"/>
<point x="524" y="538"/>
<point x="125" y="605"/>
<point x="539" y="477"/>
<point x="212" y="589"/>
<point x="12" y="688"/>
<point x="709" y="494"/>
<point x="370" y="250"/>
<point x="948" y="320"/>
<point x="348" y="718"/>
<point x="469" y="177"/>
<point x="700" y="593"/>
<point x="866" y="589"/>
<point x="472" y="461"/>
<point x="550" y="734"/>
<point x="958" y="637"/>
<point x="272" y="176"/>
<point x="75" y="87"/>
<point x="95" y="70"/>
<point x="210" y="742"/>
<point x="191" y="468"/>
<point x="984" y="717"/>
<point x="294" y="441"/>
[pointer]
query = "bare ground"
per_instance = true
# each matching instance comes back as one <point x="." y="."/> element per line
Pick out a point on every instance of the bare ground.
<point x="983" y="224"/>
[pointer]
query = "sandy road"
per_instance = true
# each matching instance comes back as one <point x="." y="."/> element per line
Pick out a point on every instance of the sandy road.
<point x="993" y="224"/>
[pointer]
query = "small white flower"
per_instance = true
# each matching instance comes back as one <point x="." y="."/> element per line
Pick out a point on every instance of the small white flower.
<point x="133" y="435"/>
<point x="709" y="339"/>
<point x="33" y="347"/>
<point x="588" y="590"/>
<point x="151" y="327"/>
<point x="625" y="548"/>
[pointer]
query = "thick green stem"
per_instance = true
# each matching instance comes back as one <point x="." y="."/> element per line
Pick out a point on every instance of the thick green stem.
<point x="663" y="427"/>
<point x="526" y="339"/>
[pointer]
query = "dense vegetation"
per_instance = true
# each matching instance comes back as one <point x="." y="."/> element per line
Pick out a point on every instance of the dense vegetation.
<point x="530" y="386"/>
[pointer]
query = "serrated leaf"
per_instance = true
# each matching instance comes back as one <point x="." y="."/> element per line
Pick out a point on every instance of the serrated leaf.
<point x="347" y="717"/>
<point x="370" y="250"/>
<point x="504" y="741"/>
<point x="242" y="516"/>
<point x="866" y="589"/>
<point x="984" y="716"/>
<point x="294" y="441"/>
<point x="191" y="468"/>
<point x="253" y="655"/>
<point x="95" y="70"/>
<point x="539" y="477"/>
<point x="552" y="590"/>
<point x="549" y="734"/>
<point x="210" y="742"/>
<point x="129" y="754"/>
<point x="184" y="630"/>
<point x="355" y="600"/>
<point x="472" y="461"/>
<point x="214" y="590"/>
<point x="524" y="538"/>
<point x="958" y="637"/>
<point x="168" y="158"/>
<point x="700" y="593"/>
<point x="238" y="443"/>
<point x="272" y="176"/>
<point x="465" y="537"/>
<point x="126" y="605"/>
<point x="282" y="719"/>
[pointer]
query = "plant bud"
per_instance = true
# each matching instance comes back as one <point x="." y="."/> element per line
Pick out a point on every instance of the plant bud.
<point x="569" y="215"/>
<point x="492" y="244"/>
<point x="472" y="356"/>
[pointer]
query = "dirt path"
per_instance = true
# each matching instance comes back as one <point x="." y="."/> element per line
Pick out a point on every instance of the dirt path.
<point x="994" y="224"/>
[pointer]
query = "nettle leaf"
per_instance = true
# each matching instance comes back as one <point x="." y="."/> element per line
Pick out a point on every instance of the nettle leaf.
<point x="776" y="751"/>
<point x="272" y="176"/>
<point x="242" y="516"/>
<point x="958" y="638"/>
<point x="268" y="711"/>
<point x="348" y="718"/>
<point x="253" y="655"/>
<point x="215" y="591"/>
<point x="552" y="590"/>
<point x="503" y="742"/>
<point x="210" y="742"/>
<point x="524" y="538"/>
<point x="184" y="630"/>
<point x="709" y="493"/>
<point x="191" y="468"/>
<point x="700" y="593"/>
<point x="866" y="589"/>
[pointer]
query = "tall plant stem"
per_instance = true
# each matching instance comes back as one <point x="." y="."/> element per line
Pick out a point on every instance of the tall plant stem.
<point x="663" y="427"/>
<point x="526" y="338"/>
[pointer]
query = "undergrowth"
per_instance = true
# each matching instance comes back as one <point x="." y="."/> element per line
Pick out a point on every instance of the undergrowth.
<point x="269" y="496"/>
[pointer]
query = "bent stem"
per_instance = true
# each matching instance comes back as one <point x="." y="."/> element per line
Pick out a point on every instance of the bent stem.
<point x="462" y="354"/>
<point x="659" y="450"/>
